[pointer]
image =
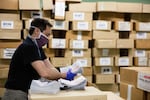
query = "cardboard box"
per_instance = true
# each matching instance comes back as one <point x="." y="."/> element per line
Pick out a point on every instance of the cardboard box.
<point x="141" y="53"/>
<point x="105" y="52"/>
<point x="78" y="44"/>
<point x="78" y="16"/>
<point x="11" y="24"/>
<point x="79" y="35"/>
<point x="84" y="7"/>
<point x="104" y="61"/>
<point x="125" y="43"/>
<point x="4" y="63"/>
<point x="105" y="79"/>
<point x="128" y="91"/>
<point x="4" y="72"/>
<point x="109" y="87"/>
<point x="78" y="53"/>
<point x="139" y="43"/>
<point x="141" y="61"/>
<point x="86" y="62"/>
<point x="90" y="93"/>
<point x="140" y="17"/>
<point x="146" y="8"/>
<point x="123" y="26"/>
<point x="10" y="16"/>
<point x="87" y="71"/>
<point x="7" y="53"/>
<point x="47" y="4"/>
<point x="10" y="34"/>
<point x="58" y="43"/>
<point x="2" y="90"/>
<point x="106" y="7"/>
<point x="49" y="52"/>
<point x="139" y="35"/>
<point x="82" y="25"/>
<point x="101" y="25"/>
<point x="142" y="26"/>
<point x="9" y="4"/>
<point x="60" y="25"/>
<point x="59" y="12"/>
<point x="124" y="61"/>
<point x="105" y="35"/>
<point x="129" y="7"/>
<point x="10" y="44"/>
<point x="29" y="5"/>
<point x="105" y="43"/>
<point x="60" y="61"/>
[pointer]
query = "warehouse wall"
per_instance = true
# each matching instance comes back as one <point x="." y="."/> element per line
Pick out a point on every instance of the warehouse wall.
<point x="141" y="1"/>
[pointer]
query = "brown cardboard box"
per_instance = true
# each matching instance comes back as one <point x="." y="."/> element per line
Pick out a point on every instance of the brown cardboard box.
<point x="106" y="7"/>
<point x="86" y="62"/>
<point x="105" y="35"/>
<point x="146" y="8"/>
<point x="4" y="63"/>
<point x="140" y="61"/>
<point x="140" y="17"/>
<point x="29" y="4"/>
<point x="104" y="61"/>
<point x="49" y="52"/>
<point x="84" y="7"/>
<point x="78" y="16"/>
<point x="9" y="4"/>
<point x="10" y="44"/>
<point x="105" y="43"/>
<point x="2" y="90"/>
<point x="10" y="34"/>
<point x="105" y="78"/>
<point x="90" y="93"/>
<point x="101" y="25"/>
<point x="60" y="61"/>
<point x="139" y="43"/>
<point x="87" y="71"/>
<point x="82" y="25"/>
<point x="7" y="53"/>
<point x="108" y="87"/>
<point x="141" y="52"/>
<point x="58" y="43"/>
<point x="47" y="4"/>
<point x="105" y="52"/>
<point x="142" y="26"/>
<point x="4" y="72"/>
<point x="79" y="35"/>
<point x="129" y="7"/>
<point x="125" y="43"/>
<point x="139" y="35"/>
<point x="124" y="61"/>
<point x="10" y="16"/>
<point x="128" y="91"/>
<point x="78" y="53"/>
<point x="78" y="44"/>
<point x="123" y="26"/>
<point x="60" y="25"/>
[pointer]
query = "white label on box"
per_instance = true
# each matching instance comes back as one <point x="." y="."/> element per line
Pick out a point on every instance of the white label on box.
<point x="144" y="26"/>
<point x="140" y="53"/>
<point x="143" y="81"/>
<point x="8" y="53"/>
<point x="82" y="25"/>
<point x="101" y="25"/>
<point x="60" y="9"/>
<point x="142" y="61"/>
<point x="84" y="62"/>
<point x="79" y="36"/>
<point x="105" y="52"/>
<point x="78" y="44"/>
<point x="36" y="14"/>
<point x="124" y="61"/>
<point x="105" y="61"/>
<point x="7" y="24"/>
<point x="58" y="43"/>
<point x="59" y="24"/>
<point x="124" y="26"/>
<point x="106" y="70"/>
<point x="78" y="16"/>
<point x="141" y="35"/>
<point x="77" y="53"/>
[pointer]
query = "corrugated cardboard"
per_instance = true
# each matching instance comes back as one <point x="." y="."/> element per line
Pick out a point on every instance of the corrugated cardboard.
<point x="101" y="25"/>
<point x="86" y="62"/>
<point x="60" y="25"/>
<point x="78" y="44"/>
<point x="146" y="8"/>
<point x="124" y="61"/>
<point x="47" y="4"/>
<point x="10" y="44"/>
<point x="9" y="4"/>
<point x="123" y="26"/>
<point x="82" y="25"/>
<point x="104" y="61"/>
<point x="125" y="43"/>
<point x="142" y="26"/>
<point x="139" y="44"/>
<point x="4" y="72"/>
<point x="105" y="43"/>
<point x="105" y="79"/>
<point x="10" y="16"/>
<point x="141" y="61"/>
<point x="108" y="87"/>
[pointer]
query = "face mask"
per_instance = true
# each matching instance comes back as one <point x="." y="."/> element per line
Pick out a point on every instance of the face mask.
<point x="42" y="40"/>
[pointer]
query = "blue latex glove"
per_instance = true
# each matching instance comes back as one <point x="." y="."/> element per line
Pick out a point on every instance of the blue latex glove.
<point x="70" y="76"/>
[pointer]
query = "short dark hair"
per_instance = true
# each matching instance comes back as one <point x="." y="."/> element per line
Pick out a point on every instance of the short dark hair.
<point x="39" y="23"/>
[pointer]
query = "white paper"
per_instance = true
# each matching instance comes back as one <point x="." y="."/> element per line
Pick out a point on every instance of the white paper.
<point x="60" y="9"/>
<point x="143" y="81"/>
<point x="58" y="43"/>
<point x="124" y="26"/>
<point x="101" y="25"/>
<point x="141" y="35"/>
<point x="8" y="53"/>
<point x="59" y="24"/>
<point x="78" y="44"/>
<point x="7" y="24"/>
<point x="142" y="61"/>
<point x="140" y="53"/>
<point x="78" y="16"/>
<point x="124" y="61"/>
<point x="105" y="61"/>
<point x="79" y="35"/>
<point x="77" y="53"/>
<point x="144" y="26"/>
<point x="82" y="25"/>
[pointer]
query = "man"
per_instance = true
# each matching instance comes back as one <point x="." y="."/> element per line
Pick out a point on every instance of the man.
<point x="29" y="62"/>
